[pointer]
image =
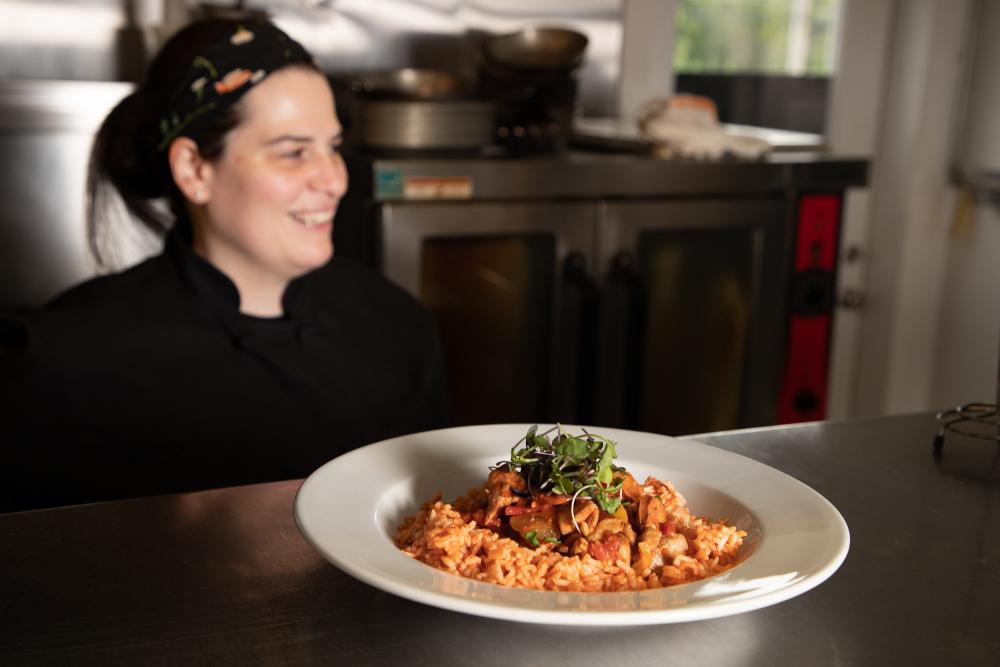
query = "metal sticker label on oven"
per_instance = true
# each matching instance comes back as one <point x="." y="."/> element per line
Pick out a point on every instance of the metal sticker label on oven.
<point x="388" y="183"/>
<point x="435" y="187"/>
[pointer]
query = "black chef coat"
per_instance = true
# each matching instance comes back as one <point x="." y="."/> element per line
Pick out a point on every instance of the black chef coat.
<point x="152" y="381"/>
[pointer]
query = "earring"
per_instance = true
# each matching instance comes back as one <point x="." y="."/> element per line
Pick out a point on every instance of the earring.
<point x="200" y="196"/>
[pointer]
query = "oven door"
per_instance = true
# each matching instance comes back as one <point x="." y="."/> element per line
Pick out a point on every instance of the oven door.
<point x="694" y="307"/>
<point x="510" y="289"/>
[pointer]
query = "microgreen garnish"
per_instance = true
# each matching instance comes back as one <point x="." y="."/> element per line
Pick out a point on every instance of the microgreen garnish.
<point x="568" y="465"/>
<point x="534" y="539"/>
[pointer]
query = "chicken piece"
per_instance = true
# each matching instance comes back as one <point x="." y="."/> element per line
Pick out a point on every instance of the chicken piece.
<point x="651" y="512"/>
<point x="609" y="541"/>
<point x="672" y="546"/>
<point x="629" y="533"/>
<point x="579" y="547"/>
<point x="587" y="515"/>
<point x="499" y="487"/>
<point x="648" y="556"/>
<point x="607" y="526"/>
<point x="563" y="521"/>
<point x="631" y="488"/>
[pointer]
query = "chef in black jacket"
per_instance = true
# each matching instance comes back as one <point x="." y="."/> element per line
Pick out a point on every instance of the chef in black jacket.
<point x="244" y="352"/>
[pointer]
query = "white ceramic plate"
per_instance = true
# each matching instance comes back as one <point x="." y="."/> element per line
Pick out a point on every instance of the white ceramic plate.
<point x="349" y="509"/>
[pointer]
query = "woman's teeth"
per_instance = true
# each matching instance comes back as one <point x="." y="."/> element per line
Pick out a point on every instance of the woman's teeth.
<point x="313" y="219"/>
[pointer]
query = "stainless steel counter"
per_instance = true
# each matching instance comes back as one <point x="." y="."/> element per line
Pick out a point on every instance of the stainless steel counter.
<point x="224" y="577"/>
<point x="594" y="175"/>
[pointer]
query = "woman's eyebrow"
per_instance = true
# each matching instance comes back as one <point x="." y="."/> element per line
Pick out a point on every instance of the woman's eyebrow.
<point x="300" y="139"/>
<point x="288" y="137"/>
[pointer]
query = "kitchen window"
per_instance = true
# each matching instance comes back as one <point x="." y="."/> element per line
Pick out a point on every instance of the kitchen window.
<point x="766" y="63"/>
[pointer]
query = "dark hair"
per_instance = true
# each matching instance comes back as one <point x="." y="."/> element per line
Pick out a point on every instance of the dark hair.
<point x="126" y="154"/>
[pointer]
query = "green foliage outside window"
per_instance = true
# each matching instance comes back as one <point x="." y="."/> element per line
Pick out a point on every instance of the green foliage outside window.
<point x="754" y="36"/>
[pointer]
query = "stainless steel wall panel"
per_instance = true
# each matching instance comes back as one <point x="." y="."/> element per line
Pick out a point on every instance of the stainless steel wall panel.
<point x="61" y="39"/>
<point x="77" y="106"/>
<point x="364" y="35"/>
<point x="46" y="131"/>
<point x="43" y="245"/>
<point x="107" y="40"/>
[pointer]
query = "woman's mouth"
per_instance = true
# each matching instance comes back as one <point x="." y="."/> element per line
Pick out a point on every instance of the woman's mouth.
<point x="314" y="220"/>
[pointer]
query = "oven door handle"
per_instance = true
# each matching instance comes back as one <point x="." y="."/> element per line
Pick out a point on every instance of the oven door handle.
<point x="619" y="365"/>
<point x="572" y="382"/>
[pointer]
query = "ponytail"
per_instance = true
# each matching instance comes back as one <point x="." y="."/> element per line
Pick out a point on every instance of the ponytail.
<point x="125" y="159"/>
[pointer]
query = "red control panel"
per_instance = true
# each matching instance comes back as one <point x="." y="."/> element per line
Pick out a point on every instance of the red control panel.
<point x="802" y="396"/>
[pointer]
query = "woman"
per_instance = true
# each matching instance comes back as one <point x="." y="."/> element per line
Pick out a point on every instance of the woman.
<point x="242" y="353"/>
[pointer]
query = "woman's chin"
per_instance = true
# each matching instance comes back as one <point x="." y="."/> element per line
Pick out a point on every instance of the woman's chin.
<point x="315" y="256"/>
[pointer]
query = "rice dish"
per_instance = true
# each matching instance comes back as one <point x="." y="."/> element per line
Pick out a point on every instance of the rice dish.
<point x="560" y="516"/>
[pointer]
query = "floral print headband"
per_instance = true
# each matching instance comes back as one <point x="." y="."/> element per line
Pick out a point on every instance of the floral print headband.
<point x="225" y="72"/>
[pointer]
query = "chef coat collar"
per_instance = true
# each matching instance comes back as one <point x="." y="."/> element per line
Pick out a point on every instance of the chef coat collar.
<point x="217" y="294"/>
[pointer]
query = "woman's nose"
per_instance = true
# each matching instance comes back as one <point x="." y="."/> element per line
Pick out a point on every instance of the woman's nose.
<point x="331" y="175"/>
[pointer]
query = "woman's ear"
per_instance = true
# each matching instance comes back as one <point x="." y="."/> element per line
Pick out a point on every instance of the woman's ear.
<point x="191" y="172"/>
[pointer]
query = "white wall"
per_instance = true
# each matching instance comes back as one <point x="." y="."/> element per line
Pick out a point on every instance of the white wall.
<point x="980" y="148"/>
<point x="912" y="209"/>
<point x="967" y="357"/>
<point x="854" y="126"/>
<point x="647" y="67"/>
<point x="912" y="205"/>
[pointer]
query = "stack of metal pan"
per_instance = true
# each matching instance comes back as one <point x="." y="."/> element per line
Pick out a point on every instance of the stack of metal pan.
<point x="532" y="76"/>
<point x="420" y="110"/>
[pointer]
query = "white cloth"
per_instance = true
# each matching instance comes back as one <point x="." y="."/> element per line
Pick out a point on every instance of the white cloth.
<point x="690" y="132"/>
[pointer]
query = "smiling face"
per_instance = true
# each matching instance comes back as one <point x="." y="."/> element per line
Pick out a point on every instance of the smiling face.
<point x="267" y="213"/>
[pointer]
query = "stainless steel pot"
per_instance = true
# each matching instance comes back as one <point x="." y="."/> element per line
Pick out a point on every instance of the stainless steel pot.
<point x="426" y="110"/>
<point x="537" y="49"/>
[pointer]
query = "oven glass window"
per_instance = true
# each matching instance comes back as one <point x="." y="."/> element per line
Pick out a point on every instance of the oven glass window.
<point x="698" y="288"/>
<point x="492" y="297"/>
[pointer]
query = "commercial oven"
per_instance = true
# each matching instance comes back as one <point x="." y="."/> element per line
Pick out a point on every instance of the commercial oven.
<point x="615" y="290"/>
<point x="660" y="315"/>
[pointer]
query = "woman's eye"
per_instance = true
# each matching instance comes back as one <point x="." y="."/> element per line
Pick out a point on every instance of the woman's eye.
<point x="334" y="148"/>
<point x="296" y="154"/>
